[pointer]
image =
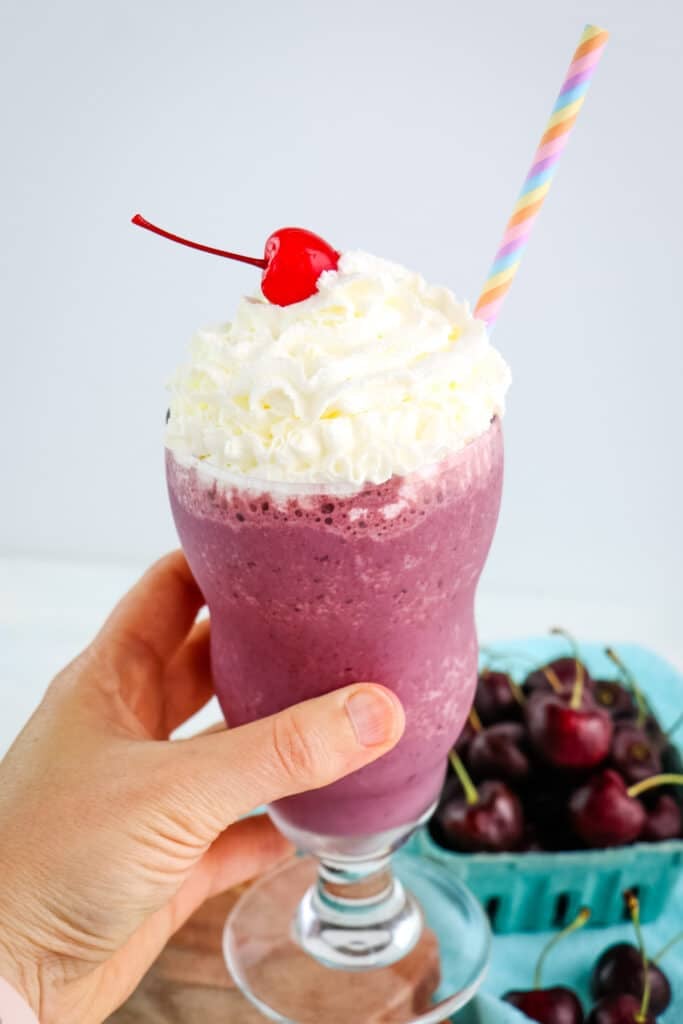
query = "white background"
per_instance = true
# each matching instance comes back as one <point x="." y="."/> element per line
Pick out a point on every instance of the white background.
<point x="397" y="127"/>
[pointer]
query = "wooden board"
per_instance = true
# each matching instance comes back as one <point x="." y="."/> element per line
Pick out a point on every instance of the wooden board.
<point x="190" y="984"/>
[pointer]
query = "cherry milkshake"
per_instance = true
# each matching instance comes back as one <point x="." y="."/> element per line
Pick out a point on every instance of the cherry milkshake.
<point x="311" y="592"/>
<point x="335" y="471"/>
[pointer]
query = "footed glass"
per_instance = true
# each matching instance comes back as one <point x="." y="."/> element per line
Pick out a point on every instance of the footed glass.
<point x="309" y="591"/>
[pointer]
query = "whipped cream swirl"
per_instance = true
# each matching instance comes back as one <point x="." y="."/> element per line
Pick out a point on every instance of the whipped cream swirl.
<point x="376" y="374"/>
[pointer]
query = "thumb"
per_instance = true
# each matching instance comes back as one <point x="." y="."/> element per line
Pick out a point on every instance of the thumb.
<point x="303" y="747"/>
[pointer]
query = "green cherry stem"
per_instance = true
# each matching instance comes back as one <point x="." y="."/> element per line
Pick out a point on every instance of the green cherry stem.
<point x="470" y="790"/>
<point x="580" y="681"/>
<point x="633" y="906"/>
<point x="665" y="779"/>
<point x="474" y="720"/>
<point x="515" y="688"/>
<point x="553" y="679"/>
<point x="633" y="685"/>
<point x="578" y="922"/>
<point x="665" y="949"/>
<point x="672" y="728"/>
<point x="498" y="654"/>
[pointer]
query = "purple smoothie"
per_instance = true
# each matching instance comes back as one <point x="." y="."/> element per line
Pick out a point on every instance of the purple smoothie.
<point x="312" y="592"/>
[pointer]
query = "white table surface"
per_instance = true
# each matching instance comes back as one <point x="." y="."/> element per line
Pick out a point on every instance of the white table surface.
<point x="49" y="609"/>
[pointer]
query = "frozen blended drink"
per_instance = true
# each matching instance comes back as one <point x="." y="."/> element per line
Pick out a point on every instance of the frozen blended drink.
<point x="335" y="470"/>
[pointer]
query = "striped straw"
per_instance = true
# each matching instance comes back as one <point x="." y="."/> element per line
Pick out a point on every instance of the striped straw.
<point x="539" y="179"/>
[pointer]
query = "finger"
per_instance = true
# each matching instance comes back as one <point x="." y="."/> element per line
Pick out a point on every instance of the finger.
<point x="216" y="727"/>
<point x="309" y="745"/>
<point x="243" y="851"/>
<point x="153" y="619"/>
<point x="187" y="682"/>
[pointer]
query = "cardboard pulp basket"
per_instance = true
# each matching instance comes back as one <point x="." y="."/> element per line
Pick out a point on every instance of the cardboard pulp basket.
<point x="540" y="891"/>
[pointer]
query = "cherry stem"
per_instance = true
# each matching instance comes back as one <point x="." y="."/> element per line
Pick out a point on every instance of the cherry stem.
<point x="579" y="683"/>
<point x="475" y="720"/>
<point x="253" y="260"/>
<point x="553" y="679"/>
<point x="470" y="790"/>
<point x="672" y="728"/>
<point x="578" y="922"/>
<point x="665" y="949"/>
<point x="633" y="685"/>
<point x="515" y="689"/>
<point x="665" y="779"/>
<point x="633" y="905"/>
<point x="500" y="654"/>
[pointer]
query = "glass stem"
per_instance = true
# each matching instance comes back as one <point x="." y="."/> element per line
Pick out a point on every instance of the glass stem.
<point x="358" y="915"/>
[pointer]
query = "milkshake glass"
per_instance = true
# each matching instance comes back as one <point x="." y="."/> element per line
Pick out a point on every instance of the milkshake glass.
<point x="314" y="584"/>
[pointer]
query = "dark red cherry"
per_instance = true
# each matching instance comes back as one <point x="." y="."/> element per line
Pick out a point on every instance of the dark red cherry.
<point x="619" y="970"/>
<point x="633" y="753"/>
<point x="621" y="1009"/>
<point x="548" y="1005"/>
<point x="615" y="699"/>
<point x="500" y="752"/>
<point x="497" y="698"/>
<point x="558" y="676"/>
<point x="604" y="814"/>
<point x="293" y="260"/>
<point x="567" y="736"/>
<point x="664" y="820"/>
<point x="559" y="1005"/>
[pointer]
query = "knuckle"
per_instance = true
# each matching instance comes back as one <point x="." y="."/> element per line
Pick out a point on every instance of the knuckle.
<point x="295" y="750"/>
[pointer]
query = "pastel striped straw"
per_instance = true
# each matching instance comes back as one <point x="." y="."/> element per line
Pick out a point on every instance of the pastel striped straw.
<point x="539" y="179"/>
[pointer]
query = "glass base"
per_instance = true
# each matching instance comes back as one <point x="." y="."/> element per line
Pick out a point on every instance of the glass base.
<point x="263" y="951"/>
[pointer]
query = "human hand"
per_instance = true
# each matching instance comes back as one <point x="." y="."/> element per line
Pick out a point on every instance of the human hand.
<point x="111" y="834"/>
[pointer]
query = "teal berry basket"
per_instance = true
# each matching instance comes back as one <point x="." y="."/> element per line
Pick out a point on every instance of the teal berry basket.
<point x="538" y="891"/>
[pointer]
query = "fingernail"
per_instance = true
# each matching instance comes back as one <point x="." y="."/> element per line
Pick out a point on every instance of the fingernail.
<point x="372" y="715"/>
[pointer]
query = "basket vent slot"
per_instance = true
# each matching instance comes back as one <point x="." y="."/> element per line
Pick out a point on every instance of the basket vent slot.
<point x="561" y="908"/>
<point x="492" y="907"/>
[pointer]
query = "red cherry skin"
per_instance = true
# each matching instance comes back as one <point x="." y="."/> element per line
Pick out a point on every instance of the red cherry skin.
<point x="623" y="1009"/>
<point x="500" y="752"/>
<point x="548" y="1005"/>
<point x="633" y="753"/>
<point x="493" y="824"/>
<point x="569" y="737"/>
<point x="664" y="820"/>
<point x="495" y="700"/>
<point x="603" y="814"/>
<point x="295" y="259"/>
<point x="615" y="698"/>
<point x="564" y="668"/>
<point x="619" y="971"/>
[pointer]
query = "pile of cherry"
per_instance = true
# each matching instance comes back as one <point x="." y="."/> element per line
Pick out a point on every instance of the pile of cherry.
<point x="562" y="762"/>
<point x="629" y="986"/>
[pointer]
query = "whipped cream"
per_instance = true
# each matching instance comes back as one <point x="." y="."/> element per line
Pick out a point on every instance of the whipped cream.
<point x="376" y="374"/>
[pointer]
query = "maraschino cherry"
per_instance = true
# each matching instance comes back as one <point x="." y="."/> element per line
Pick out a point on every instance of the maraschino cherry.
<point x="559" y="1005"/>
<point x="292" y="262"/>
